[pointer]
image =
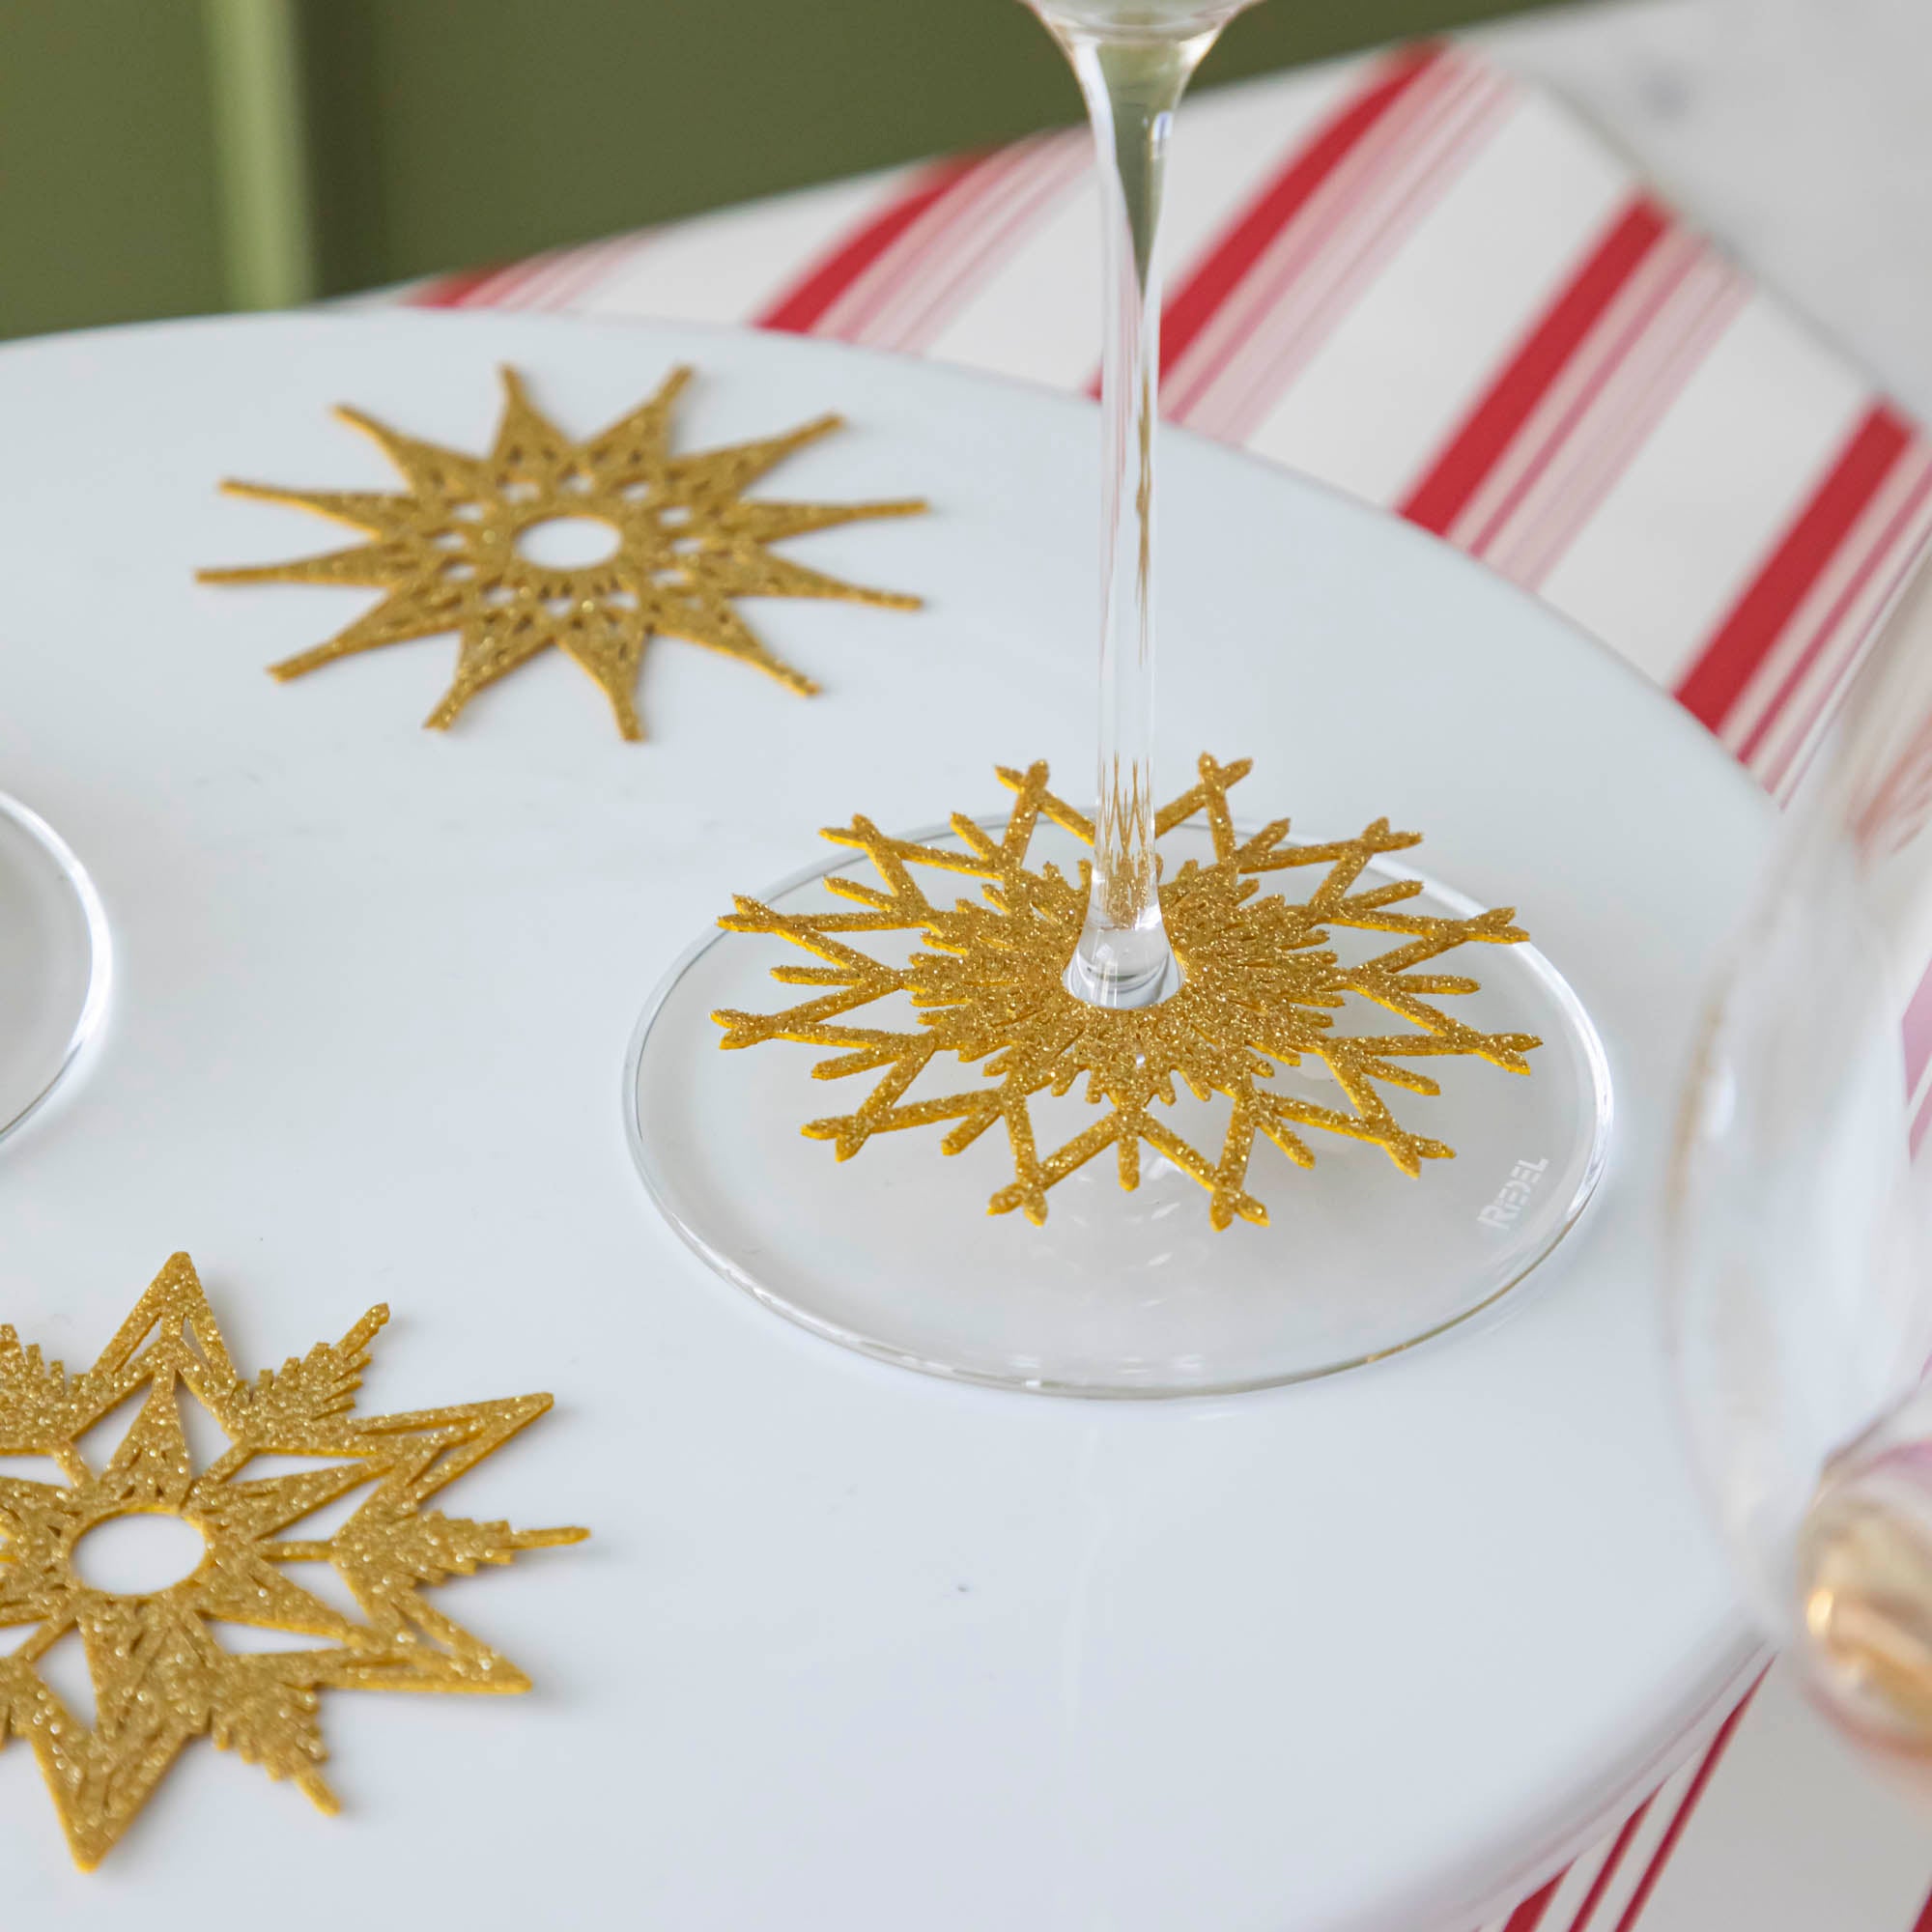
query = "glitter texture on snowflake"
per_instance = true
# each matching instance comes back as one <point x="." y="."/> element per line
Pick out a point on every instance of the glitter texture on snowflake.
<point x="161" y="1673"/>
<point x="685" y="544"/>
<point x="1262" y="988"/>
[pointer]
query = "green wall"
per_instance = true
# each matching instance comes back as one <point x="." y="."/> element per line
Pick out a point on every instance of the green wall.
<point x="108" y="202"/>
<point x="158" y="157"/>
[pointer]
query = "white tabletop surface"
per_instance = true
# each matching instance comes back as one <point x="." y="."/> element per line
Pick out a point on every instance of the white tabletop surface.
<point x="850" y="1646"/>
<point x="1795" y="131"/>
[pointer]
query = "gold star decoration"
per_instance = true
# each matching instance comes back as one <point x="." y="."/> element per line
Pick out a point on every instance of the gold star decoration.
<point x="160" y="1672"/>
<point x="1260" y="990"/>
<point x="685" y="543"/>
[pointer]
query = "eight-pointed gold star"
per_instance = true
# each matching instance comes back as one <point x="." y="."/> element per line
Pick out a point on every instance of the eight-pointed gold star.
<point x="685" y="542"/>
<point x="160" y="1674"/>
<point x="1260" y="989"/>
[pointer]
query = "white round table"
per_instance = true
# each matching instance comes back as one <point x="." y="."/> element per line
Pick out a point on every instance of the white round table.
<point x="850" y="1647"/>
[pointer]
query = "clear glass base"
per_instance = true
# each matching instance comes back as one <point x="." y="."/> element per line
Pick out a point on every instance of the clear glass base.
<point x="1119" y="1294"/>
<point x="53" y="961"/>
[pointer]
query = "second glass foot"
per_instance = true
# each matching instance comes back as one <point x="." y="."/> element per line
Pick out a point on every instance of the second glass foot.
<point x="53" y="961"/>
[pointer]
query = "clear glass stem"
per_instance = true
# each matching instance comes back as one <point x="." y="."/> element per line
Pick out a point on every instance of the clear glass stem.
<point x="1134" y="80"/>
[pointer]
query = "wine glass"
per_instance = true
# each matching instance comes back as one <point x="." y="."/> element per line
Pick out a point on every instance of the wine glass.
<point x="54" y="960"/>
<point x="1113" y="1293"/>
<point x="1800" y="1298"/>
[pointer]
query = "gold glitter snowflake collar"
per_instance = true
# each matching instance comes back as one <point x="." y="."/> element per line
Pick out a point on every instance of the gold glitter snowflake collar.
<point x="1261" y="990"/>
<point x="161" y="1673"/>
<point x="686" y="543"/>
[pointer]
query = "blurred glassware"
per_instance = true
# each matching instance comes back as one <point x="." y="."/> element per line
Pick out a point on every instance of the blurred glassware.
<point x="1799" y="1294"/>
<point x="54" y="961"/>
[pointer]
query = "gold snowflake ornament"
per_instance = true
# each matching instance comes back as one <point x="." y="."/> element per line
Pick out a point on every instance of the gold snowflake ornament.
<point x="684" y="544"/>
<point x="159" y="1671"/>
<point x="1261" y="989"/>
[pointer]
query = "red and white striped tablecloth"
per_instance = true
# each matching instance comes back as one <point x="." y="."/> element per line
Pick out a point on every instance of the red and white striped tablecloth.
<point x="1427" y="283"/>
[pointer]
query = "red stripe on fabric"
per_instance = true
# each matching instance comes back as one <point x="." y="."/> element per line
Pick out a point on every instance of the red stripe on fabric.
<point x="1619" y="419"/>
<point x="1658" y="303"/>
<point x="454" y="291"/>
<point x="925" y="247"/>
<point x="1737" y="647"/>
<point x="1923" y="1923"/>
<point x="810" y="297"/>
<point x="1501" y="413"/>
<point x="1901" y="802"/>
<point x="1601" y="1883"/>
<point x="1528" y="1915"/>
<point x="590" y="267"/>
<point x="1308" y="281"/>
<point x="1192" y="306"/>
<point x="1720" y="1745"/>
<point x="1900" y="522"/>
<point x="994" y="235"/>
<point x="1917" y="1138"/>
<point x="1918" y="1033"/>
<point x="513" y="283"/>
<point x="537" y="279"/>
